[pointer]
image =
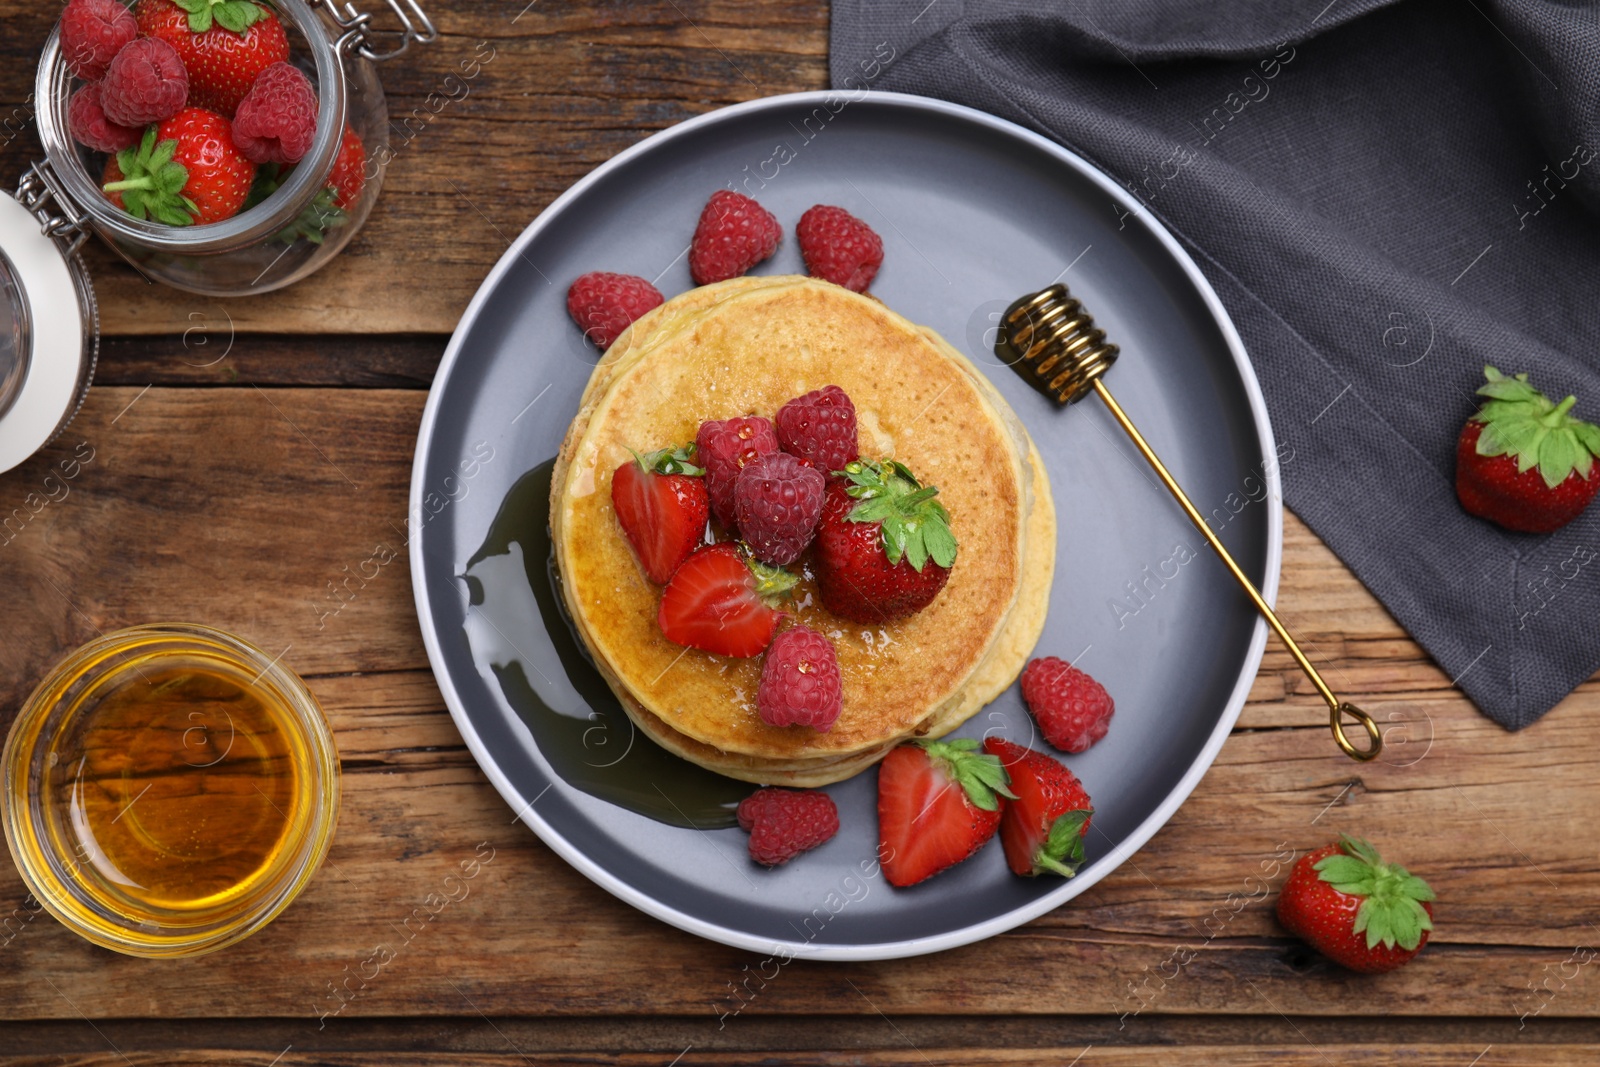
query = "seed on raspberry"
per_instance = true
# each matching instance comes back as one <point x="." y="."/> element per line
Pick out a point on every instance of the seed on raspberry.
<point x="722" y="448"/>
<point x="1072" y="708"/>
<point x="277" y="119"/>
<point x="820" y="427"/>
<point x="777" y="500"/>
<point x="145" y="83"/>
<point x="800" y="681"/>
<point x="838" y="247"/>
<point x="90" y="127"/>
<point x="733" y="235"/>
<point x="92" y="33"/>
<point x="786" y="822"/>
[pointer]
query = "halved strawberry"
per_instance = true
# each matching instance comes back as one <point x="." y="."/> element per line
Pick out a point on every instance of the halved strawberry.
<point x="938" y="802"/>
<point x="721" y="603"/>
<point x="1043" y="827"/>
<point x="660" y="500"/>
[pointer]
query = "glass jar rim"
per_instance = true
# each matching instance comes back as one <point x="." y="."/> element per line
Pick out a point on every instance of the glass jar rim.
<point x="21" y="795"/>
<point x="52" y="90"/>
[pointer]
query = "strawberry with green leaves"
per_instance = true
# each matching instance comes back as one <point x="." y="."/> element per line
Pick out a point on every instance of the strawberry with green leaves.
<point x="1043" y="825"/>
<point x="884" y="545"/>
<point x="1524" y="461"/>
<point x="721" y="602"/>
<point x="938" y="803"/>
<point x="661" y="503"/>
<point x="1355" y="909"/>
<point x="224" y="44"/>
<point x="185" y="171"/>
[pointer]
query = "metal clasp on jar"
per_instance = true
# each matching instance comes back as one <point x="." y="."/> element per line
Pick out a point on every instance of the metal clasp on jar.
<point x="359" y="33"/>
<point x="59" y="218"/>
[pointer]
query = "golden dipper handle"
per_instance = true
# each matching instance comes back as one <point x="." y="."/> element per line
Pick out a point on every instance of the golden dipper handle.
<point x="1337" y="709"/>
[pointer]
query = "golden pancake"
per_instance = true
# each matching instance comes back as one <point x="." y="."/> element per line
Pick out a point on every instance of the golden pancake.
<point x="747" y="346"/>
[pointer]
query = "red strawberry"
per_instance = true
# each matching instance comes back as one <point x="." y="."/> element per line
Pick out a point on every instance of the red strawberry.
<point x="277" y="119"/>
<point x="938" y="802"/>
<point x="1517" y="429"/>
<point x="839" y="248"/>
<point x="777" y="500"/>
<point x="604" y="304"/>
<point x="719" y="603"/>
<point x="820" y="427"/>
<point x="186" y="170"/>
<point x="224" y="44"/>
<point x="90" y="127"/>
<point x="1358" y="911"/>
<point x="786" y="822"/>
<point x="884" y="546"/>
<point x="734" y="234"/>
<point x="660" y="500"/>
<point x="349" y="174"/>
<point x="1044" y="827"/>
<point x="92" y="32"/>
<point x="145" y="83"/>
<point x="1072" y="708"/>
<point x="800" y="681"/>
<point x="722" y="448"/>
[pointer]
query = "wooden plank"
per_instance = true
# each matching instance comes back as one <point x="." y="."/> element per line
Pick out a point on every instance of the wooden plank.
<point x="196" y="505"/>
<point x="210" y="352"/>
<point x="1453" y="1055"/>
<point x="564" y="88"/>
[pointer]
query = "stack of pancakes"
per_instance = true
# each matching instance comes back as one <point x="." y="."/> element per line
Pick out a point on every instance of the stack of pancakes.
<point x="745" y="347"/>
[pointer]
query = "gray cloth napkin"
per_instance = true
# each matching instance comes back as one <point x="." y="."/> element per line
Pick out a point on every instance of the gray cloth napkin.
<point x="1387" y="195"/>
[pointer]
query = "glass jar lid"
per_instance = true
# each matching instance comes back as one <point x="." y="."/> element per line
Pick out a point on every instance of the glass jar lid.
<point x="48" y="335"/>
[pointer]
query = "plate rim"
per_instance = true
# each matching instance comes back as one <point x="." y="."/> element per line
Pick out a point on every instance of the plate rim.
<point x="887" y="950"/>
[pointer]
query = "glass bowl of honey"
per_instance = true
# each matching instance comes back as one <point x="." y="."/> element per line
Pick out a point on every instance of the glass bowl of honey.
<point x="169" y="789"/>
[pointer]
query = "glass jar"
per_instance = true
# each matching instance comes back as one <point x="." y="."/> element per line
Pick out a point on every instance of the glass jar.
<point x="287" y="235"/>
<point x="168" y="790"/>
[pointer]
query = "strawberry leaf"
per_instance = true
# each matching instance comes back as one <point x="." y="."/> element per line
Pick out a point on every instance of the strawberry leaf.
<point x="915" y="526"/>
<point x="153" y="181"/>
<point x="1521" y="422"/>
<point x="1559" y="456"/>
<point x="1391" y="911"/>
<point x="234" y="15"/>
<point x="1062" y="849"/>
<point x="677" y="460"/>
<point x="980" y="775"/>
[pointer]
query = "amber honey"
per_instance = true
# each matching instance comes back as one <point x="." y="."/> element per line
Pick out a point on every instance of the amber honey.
<point x="178" y="789"/>
<point x="169" y="790"/>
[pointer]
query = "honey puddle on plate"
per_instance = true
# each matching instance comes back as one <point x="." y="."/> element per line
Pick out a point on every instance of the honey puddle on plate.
<point x="176" y="790"/>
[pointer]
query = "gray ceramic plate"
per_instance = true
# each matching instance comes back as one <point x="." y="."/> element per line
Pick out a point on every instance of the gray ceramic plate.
<point x="974" y="212"/>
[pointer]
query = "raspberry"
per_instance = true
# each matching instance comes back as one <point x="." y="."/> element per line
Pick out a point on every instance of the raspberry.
<point x="839" y="248"/>
<point x="1072" y="708"/>
<point x="786" y="822"/>
<point x="145" y="83"/>
<point x="91" y="128"/>
<point x="820" y="428"/>
<point x="800" y="683"/>
<point x="604" y="304"/>
<point x="735" y="233"/>
<point x="724" y="447"/>
<point x="277" y="119"/>
<point x="777" y="500"/>
<point x="92" y="33"/>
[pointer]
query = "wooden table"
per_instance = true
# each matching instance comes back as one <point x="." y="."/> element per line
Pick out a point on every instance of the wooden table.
<point x="245" y="454"/>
